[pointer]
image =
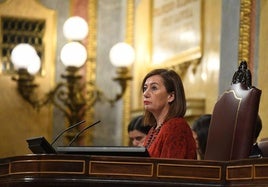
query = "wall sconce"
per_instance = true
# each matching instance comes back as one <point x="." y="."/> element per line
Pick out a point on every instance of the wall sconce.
<point x="69" y="96"/>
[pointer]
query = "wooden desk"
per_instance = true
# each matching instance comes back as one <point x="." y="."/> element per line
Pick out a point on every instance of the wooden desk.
<point x="75" y="170"/>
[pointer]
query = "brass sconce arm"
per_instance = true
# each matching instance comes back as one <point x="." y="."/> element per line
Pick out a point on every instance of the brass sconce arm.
<point x="72" y="96"/>
<point x="68" y="96"/>
<point x="26" y="86"/>
<point x="122" y="78"/>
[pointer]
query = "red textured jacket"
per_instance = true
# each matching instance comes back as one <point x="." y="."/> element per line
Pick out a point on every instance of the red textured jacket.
<point x="173" y="140"/>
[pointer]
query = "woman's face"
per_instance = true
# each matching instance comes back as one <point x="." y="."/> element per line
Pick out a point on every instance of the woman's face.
<point x="197" y="144"/>
<point x="196" y="139"/>
<point x="155" y="96"/>
<point x="136" y="137"/>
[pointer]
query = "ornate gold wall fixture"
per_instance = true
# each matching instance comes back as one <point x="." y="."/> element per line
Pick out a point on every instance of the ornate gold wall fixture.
<point x="247" y="32"/>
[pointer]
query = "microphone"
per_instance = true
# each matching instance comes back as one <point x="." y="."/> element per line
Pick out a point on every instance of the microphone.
<point x="69" y="128"/>
<point x="79" y="133"/>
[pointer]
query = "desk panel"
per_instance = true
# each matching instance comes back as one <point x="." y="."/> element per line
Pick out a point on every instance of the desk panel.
<point x="111" y="171"/>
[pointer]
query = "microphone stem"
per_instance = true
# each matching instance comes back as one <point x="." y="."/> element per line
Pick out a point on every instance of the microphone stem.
<point x="78" y="134"/>
<point x="59" y="135"/>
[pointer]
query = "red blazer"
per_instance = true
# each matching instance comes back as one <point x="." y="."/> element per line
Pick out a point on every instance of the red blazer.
<point x="173" y="140"/>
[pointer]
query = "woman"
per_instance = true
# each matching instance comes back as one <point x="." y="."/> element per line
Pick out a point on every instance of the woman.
<point x="137" y="131"/>
<point x="200" y="133"/>
<point x="165" y="107"/>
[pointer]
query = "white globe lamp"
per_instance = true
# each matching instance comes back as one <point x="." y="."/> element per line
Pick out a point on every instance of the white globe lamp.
<point x="23" y="56"/>
<point x="122" y="55"/>
<point x="75" y="28"/>
<point x="73" y="54"/>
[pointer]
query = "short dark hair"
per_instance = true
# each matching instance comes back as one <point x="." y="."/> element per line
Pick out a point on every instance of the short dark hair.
<point x="258" y="127"/>
<point x="137" y="124"/>
<point x="201" y="127"/>
<point x="173" y="83"/>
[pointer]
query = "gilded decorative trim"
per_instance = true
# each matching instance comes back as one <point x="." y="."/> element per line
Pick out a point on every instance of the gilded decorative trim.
<point x="127" y="97"/>
<point x="246" y="31"/>
<point x="91" y="63"/>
